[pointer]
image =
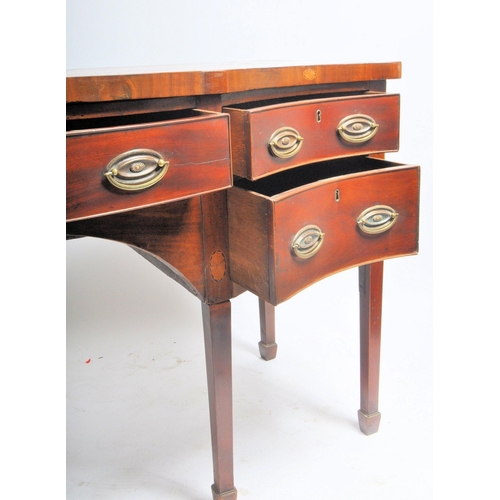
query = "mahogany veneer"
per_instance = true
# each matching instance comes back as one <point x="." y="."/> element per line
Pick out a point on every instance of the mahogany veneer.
<point x="263" y="221"/>
<point x="316" y="121"/>
<point x="195" y="145"/>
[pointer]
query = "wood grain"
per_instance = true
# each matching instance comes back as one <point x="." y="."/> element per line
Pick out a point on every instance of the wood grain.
<point x="261" y="228"/>
<point x="197" y="150"/>
<point x="164" y="84"/>
<point x="251" y="130"/>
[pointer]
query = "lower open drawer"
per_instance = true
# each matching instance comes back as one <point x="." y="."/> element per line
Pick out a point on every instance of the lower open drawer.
<point x="292" y="229"/>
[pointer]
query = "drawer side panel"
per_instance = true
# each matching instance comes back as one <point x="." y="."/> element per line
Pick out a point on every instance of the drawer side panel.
<point x="240" y="154"/>
<point x="250" y="246"/>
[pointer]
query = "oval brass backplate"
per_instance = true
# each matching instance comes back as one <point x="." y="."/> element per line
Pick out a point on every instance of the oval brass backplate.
<point x="285" y="142"/>
<point x="136" y="169"/>
<point x="377" y="219"/>
<point x="357" y="128"/>
<point x="307" y="242"/>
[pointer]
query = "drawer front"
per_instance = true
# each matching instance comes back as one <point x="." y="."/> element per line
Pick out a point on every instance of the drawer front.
<point x="273" y="138"/>
<point x="295" y="239"/>
<point x="129" y="167"/>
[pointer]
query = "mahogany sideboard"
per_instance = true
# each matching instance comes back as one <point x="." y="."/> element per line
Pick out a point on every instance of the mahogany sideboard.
<point x="259" y="179"/>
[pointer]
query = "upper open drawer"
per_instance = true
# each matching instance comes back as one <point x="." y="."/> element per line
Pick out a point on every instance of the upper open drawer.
<point x="123" y="163"/>
<point x="270" y="137"/>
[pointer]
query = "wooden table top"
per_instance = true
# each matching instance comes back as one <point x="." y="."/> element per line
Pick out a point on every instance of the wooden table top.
<point x="158" y="82"/>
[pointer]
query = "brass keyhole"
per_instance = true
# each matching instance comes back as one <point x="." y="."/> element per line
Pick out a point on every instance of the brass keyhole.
<point x="337" y="195"/>
<point x="318" y="115"/>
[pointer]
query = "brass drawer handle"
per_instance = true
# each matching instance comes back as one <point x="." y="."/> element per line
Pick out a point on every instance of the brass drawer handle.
<point x="285" y="142"/>
<point x="307" y="242"/>
<point x="136" y="169"/>
<point x="377" y="219"/>
<point x="357" y="128"/>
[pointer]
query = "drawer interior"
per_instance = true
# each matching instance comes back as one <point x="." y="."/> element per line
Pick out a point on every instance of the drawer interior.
<point x="308" y="97"/>
<point x="129" y="120"/>
<point x="300" y="176"/>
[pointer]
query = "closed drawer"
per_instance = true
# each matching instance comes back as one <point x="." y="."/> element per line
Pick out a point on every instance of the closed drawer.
<point x="114" y="166"/>
<point x="289" y="231"/>
<point x="270" y="138"/>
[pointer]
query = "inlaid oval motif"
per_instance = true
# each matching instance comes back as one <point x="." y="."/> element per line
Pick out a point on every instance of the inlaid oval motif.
<point x="307" y="242"/>
<point x="377" y="219"/>
<point x="357" y="128"/>
<point x="309" y="74"/>
<point x="285" y="142"/>
<point x="217" y="265"/>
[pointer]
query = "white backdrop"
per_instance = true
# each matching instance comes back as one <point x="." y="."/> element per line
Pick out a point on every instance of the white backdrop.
<point x="195" y="32"/>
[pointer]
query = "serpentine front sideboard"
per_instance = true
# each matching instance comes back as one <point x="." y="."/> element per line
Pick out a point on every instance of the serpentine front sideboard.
<point x="259" y="179"/>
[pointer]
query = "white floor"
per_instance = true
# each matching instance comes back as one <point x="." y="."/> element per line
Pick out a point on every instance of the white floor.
<point x="137" y="412"/>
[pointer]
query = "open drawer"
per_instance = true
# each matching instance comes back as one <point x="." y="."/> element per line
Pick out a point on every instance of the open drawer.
<point x="123" y="163"/>
<point x="267" y="137"/>
<point x="290" y="230"/>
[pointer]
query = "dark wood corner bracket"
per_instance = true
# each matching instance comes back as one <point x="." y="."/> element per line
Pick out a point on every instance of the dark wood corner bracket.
<point x="235" y="180"/>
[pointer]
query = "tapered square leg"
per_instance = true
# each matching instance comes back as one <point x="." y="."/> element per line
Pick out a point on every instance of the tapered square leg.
<point x="369" y="424"/>
<point x="267" y="345"/>
<point x="217" y="333"/>
<point x="370" y="293"/>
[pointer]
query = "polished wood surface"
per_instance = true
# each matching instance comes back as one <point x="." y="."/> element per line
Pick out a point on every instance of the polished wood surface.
<point x="263" y="221"/>
<point x="370" y="294"/>
<point x="217" y="330"/>
<point x="184" y="239"/>
<point x="159" y="83"/>
<point x="196" y="148"/>
<point x="316" y="122"/>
